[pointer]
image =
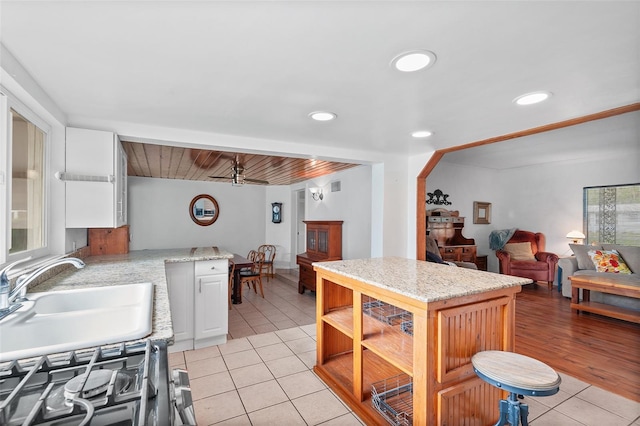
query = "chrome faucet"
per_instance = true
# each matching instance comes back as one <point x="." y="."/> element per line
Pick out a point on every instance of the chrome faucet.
<point x="8" y="296"/>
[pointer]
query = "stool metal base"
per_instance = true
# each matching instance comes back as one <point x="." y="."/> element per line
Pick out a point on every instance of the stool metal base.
<point x="518" y="375"/>
<point x="513" y="412"/>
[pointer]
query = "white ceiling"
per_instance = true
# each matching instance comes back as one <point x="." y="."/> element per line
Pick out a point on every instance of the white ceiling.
<point x="256" y="68"/>
<point x="584" y="142"/>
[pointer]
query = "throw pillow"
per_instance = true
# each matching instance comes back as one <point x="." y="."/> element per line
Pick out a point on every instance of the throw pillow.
<point x="630" y="255"/>
<point x="519" y="251"/>
<point x="582" y="255"/>
<point x="609" y="261"/>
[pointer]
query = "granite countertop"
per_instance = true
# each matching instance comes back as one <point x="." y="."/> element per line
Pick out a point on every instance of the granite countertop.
<point x="424" y="281"/>
<point x="139" y="266"/>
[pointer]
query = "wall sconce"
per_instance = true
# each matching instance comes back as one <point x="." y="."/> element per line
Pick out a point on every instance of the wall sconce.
<point x="316" y="193"/>
<point x="576" y="236"/>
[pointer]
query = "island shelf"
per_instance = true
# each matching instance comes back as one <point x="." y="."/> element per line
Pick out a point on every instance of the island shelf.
<point x="387" y="320"/>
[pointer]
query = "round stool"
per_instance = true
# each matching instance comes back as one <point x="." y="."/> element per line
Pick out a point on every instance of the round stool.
<point x="518" y="375"/>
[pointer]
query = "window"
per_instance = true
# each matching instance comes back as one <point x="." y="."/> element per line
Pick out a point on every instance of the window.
<point x="24" y="144"/>
<point x="27" y="185"/>
<point x="612" y="214"/>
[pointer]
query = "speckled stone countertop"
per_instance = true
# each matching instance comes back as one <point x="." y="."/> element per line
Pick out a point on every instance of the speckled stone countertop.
<point x="424" y="281"/>
<point x="135" y="267"/>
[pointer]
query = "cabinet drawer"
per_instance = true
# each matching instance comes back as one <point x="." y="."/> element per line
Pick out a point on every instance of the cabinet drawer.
<point x="450" y="253"/>
<point x="469" y="250"/>
<point x="307" y="272"/>
<point x="212" y="267"/>
<point x="468" y="254"/>
<point x="449" y="250"/>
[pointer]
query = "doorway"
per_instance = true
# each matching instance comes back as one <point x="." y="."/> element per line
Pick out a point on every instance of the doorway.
<point x="299" y="231"/>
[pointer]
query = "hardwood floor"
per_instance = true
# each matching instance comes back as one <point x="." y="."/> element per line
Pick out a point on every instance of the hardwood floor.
<point x="602" y="351"/>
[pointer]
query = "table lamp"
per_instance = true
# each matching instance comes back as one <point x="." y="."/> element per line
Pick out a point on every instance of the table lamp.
<point x="576" y="236"/>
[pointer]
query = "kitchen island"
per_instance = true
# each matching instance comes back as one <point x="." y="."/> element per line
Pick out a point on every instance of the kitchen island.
<point x="135" y="267"/>
<point x="400" y="333"/>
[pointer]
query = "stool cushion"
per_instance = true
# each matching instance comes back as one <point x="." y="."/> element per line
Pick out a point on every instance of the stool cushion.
<point x="517" y="371"/>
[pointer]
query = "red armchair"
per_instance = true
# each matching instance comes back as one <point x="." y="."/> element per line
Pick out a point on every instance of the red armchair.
<point x="541" y="267"/>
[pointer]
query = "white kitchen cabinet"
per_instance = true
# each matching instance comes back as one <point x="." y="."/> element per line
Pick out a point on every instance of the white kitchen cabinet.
<point x="211" y="302"/>
<point x="199" y="303"/>
<point x="95" y="178"/>
<point x="180" y="284"/>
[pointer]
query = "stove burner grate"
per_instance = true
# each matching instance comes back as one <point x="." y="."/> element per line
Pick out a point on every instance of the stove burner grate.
<point x="113" y="383"/>
<point x="87" y="387"/>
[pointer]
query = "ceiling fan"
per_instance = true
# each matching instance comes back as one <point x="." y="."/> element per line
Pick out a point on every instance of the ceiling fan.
<point x="237" y="175"/>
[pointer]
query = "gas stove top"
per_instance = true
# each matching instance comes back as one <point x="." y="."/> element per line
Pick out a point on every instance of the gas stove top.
<point x="125" y="385"/>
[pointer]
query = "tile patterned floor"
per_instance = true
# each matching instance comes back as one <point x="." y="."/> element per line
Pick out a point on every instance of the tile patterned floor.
<point x="263" y="374"/>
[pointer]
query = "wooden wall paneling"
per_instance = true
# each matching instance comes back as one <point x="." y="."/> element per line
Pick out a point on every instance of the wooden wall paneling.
<point x="465" y="404"/>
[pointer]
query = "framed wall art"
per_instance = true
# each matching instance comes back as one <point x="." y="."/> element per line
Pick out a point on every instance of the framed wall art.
<point x="481" y="213"/>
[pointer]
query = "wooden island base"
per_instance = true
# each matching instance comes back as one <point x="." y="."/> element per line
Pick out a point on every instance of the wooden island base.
<point x="428" y="343"/>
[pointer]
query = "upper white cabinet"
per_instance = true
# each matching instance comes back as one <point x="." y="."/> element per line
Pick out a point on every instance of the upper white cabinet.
<point x="96" y="179"/>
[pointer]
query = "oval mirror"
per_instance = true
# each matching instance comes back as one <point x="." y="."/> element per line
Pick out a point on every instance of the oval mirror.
<point x="204" y="209"/>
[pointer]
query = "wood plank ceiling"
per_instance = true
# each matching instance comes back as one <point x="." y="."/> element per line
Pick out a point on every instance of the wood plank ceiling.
<point x="171" y="162"/>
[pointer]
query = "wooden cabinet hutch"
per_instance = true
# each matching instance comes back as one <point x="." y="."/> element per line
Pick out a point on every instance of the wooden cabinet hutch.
<point x="324" y="242"/>
<point x="446" y="228"/>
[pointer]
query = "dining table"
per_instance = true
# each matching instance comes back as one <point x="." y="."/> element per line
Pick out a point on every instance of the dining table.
<point x="240" y="262"/>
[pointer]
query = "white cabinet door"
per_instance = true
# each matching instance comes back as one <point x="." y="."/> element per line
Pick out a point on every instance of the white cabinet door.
<point x="211" y="316"/>
<point x="211" y="295"/>
<point x="180" y="285"/>
<point x="95" y="204"/>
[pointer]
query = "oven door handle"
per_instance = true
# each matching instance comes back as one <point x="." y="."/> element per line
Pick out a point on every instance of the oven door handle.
<point x="182" y="397"/>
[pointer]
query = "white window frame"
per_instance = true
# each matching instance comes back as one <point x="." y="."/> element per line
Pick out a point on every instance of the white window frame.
<point x="10" y="102"/>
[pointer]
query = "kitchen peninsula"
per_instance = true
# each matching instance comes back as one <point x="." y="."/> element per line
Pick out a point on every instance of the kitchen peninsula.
<point x="401" y="333"/>
<point x="137" y="267"/>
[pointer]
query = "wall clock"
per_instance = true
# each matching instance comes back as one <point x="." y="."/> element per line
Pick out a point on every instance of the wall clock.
<point x="276" y="212"/>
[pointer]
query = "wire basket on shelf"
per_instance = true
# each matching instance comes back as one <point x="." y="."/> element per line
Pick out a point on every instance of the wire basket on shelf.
<point x="385" y="312"/>
<point x="407" y="327"/>
<point x="393" y="399"/>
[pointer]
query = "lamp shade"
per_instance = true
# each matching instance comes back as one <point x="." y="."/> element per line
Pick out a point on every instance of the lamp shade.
<point x="575" y="235"/>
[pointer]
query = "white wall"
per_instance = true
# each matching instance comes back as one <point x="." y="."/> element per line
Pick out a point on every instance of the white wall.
<point x="279" y="234"/>
<point x="543" y="198"/>
<point x="159" y="215"/>
<point x="465" y="185"/>
<point x="552" y="202"/>
<point x="352" y="204"/>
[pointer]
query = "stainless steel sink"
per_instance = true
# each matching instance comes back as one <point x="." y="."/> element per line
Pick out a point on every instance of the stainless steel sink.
<point x="67" y="320"/>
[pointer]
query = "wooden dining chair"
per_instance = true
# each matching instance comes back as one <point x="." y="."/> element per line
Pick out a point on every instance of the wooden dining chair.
<point x="269" y="257"/>
<point x="232" y="269"/>
<point x="251" y="256"/>
<point x="254" y="275"/>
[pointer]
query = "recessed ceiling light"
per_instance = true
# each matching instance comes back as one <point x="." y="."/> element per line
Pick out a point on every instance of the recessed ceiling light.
<point x="322" y="116"/>
<point x="421" y="134"/>
<point x="414" y="60"/>
<point x="532" y="98"/>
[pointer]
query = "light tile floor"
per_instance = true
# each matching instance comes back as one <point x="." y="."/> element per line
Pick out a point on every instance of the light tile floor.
<point x="263" y="374"/>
